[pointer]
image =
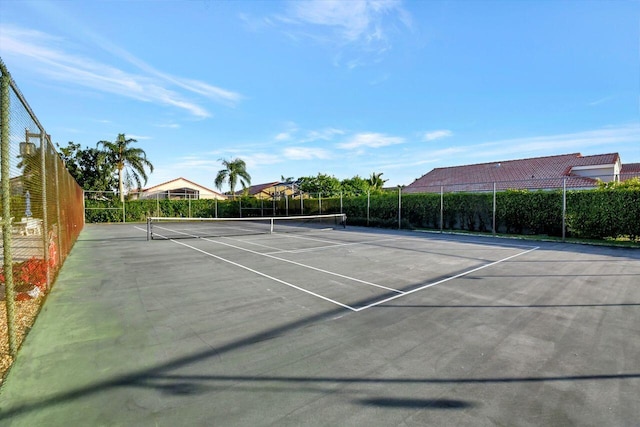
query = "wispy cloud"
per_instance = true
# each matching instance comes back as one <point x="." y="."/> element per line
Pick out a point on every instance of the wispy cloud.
<point x="360" y="25"/>
<point x="48" y="55"/>
<point x="371" y="140"/>
<point x="306" y="153"/>
<point x="596" y="141"/>
<point x="608" y="139"/>
<point x="326" y="134"/>
<point x="139" y="137"/>
<point x="600" y="101"/>
<point x="436" y="134"/>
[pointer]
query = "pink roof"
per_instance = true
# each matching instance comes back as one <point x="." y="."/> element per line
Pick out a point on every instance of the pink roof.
<point x="533" y="173"/>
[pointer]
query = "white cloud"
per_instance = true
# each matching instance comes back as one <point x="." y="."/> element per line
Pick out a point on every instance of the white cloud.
<point x="606" y="140"/>
<point x="359" y="28"/>
<point x="323" y="134"/>
<point x="437" y="134"/>
<point x="47" y="55"/>
<point x="260" y="159"/>
<point x="371" y="140"/>
<point x="305" y="153"/>
<point x="283" y="136"/>
<point x="139" y="137"/>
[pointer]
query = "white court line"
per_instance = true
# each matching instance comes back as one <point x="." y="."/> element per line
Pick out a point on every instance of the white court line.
<point x="445" y="280"/>
<point x="275" y="279"/>
<point x="400" y="293"/>
<point x="304" y="265"/>
<point x="337" y="245"/>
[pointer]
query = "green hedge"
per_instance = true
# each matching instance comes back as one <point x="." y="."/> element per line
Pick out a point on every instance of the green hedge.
<point x="600" y="213"/>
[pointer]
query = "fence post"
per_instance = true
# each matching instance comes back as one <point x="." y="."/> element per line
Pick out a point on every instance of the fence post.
<point x="320" y="203"/>
<point x="368" y="205"/>
<point x="59" y="215"/>
<point x="216" y="207"/>
<point x="494" y="209"/>
<point x="301" y="204"/>
<point x="6" y="209"/>
<point x="45" y="209"/>
<point x="441" y="208"/>
<point x="341" y="202"/>
<point x="399" y="207"/>
<point x="564" y="207"/>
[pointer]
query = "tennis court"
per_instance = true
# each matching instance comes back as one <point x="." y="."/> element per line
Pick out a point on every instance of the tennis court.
<point x="352" y="326"/>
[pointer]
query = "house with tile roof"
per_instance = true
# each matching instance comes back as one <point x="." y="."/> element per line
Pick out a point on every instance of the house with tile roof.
<point x="179" y="188"/>
<point x="270" y="190"/>
<point x="630" y="170"/>
<point x="551" y="172"/>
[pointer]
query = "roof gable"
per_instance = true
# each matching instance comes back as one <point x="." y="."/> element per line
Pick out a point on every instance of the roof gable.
<point x="179" y="183"/>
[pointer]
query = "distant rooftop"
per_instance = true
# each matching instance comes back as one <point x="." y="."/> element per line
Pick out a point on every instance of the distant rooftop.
<point x="532" y="173"/>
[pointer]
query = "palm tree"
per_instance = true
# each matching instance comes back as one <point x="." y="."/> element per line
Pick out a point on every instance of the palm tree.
<point x="233" y="171"/>
<point x="129" y="161"/>
<point x="376" y="182"/>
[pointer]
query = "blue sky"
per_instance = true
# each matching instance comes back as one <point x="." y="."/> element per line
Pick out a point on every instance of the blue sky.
<point x="338" y="87"/>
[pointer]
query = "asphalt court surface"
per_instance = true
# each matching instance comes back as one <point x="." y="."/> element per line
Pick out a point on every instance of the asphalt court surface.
<point x="359" y="327"/>
<point x="354" y="270"/>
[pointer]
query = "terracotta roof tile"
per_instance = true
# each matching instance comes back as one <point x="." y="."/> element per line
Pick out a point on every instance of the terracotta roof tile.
<point x="532" y="173"/>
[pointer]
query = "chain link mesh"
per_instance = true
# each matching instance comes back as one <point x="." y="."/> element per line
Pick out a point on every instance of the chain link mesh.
<point x="42" y="207"/>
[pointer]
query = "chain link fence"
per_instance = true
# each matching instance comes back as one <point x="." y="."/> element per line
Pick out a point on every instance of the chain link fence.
<point x="42" y="208"/>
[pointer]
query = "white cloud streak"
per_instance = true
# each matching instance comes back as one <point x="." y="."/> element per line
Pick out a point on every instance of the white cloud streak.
<point x="365" y="26"/>
<point x="305" y="153"/>
<point x="371" y="140"/>
<point x="44" y="51"/>
<point x="437" y="134"/>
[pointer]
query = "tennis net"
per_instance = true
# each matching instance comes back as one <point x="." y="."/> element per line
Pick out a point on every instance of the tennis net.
<point x="184" y="228"/>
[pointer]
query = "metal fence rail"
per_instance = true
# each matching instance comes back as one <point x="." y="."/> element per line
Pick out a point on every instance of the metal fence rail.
<point x="42" y="205"/>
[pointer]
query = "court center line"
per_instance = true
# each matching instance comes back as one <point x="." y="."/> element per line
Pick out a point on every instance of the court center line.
<point x="275" y="279"/>
<point x="335" y="245"/>
<point x="445" y="280"/>
<point x="305" y="266"/>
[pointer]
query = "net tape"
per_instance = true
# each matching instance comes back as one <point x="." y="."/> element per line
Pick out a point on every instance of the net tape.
<point x="185" y="228"/>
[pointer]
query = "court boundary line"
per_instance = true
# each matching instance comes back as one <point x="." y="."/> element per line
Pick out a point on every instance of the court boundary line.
<point x="457" y="276"/>
<point x="354" y="309"/>
<point x="259" y="273"/>
<point x="299" y="264"/>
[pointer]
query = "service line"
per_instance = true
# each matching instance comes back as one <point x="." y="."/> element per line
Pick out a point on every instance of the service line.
<point x="473" y="270"/>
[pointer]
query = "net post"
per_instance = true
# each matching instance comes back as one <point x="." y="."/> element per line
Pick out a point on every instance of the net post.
<point x="271" y="226"/>
<point x="148" y="229"/>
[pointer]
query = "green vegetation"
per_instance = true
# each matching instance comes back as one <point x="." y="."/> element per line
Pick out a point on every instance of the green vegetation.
<point x="128" y="161"/>
<point x="234" y="171"/>
<point x="116" y="166"/>
<point x="604" y="214"/>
